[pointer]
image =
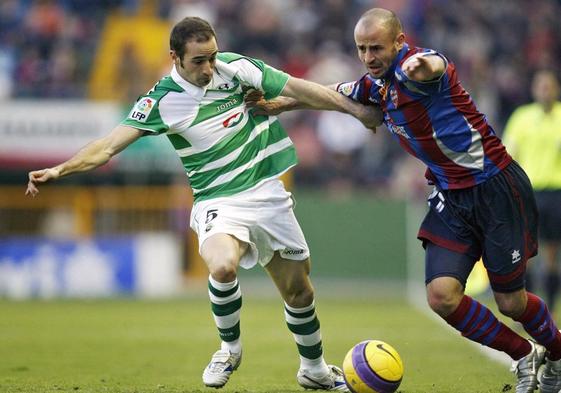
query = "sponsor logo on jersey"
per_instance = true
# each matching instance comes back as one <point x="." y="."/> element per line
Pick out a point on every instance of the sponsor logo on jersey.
<point x="142" y="109"/>
<point x="233" y="120"/>
<point x="227" y="105"/>
<point x="395" y="129"/>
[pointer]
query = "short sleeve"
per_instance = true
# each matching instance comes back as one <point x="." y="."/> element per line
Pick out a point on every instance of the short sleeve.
<point x="273" y="81"/>
<point x="145" y="115"/>
<point x="255" y="73"/>
<point x="362" y="90"/>
<point x="426" y="87"/>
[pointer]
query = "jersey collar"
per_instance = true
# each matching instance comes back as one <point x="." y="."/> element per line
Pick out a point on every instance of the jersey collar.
<point x="390" y="72"/>
<point x="195" y="91"/>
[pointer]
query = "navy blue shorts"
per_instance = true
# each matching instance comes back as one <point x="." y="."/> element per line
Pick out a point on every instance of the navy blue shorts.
<point x="496" y="220"/>
<point x="549" y="209"/>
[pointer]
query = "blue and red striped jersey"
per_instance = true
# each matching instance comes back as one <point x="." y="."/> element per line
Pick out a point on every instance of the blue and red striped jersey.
<point x="435" y="121"/>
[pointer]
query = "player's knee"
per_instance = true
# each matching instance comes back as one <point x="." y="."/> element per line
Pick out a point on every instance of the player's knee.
<point x="443" y="302"/>
<point x="222" y="265"/>
<point x="299" y="296"/>
<point x="223" y="273"/>
<point x="511" y="306"/>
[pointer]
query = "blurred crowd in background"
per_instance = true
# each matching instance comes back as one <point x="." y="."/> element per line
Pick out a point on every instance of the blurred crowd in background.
<point x="47" y="50"/>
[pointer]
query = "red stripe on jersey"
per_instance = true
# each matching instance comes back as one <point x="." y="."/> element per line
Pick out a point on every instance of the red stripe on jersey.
<point x="420" y="125"/>
<point x="493" y="149"/>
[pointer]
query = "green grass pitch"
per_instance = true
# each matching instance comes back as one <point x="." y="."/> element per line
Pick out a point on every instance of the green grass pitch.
<point x="138" y="346"/>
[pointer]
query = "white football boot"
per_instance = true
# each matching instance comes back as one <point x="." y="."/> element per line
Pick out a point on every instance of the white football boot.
<point x="526" y="369"/>
<point x="221" y="366"/>
<point x="333" y="380"/>
<point x="549" y="377"/>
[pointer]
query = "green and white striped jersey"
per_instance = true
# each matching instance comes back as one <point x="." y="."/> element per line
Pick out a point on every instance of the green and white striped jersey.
<point x="225" y="149"/>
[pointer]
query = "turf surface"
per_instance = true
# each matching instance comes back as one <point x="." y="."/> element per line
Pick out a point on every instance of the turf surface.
<point x="162" y="346"/>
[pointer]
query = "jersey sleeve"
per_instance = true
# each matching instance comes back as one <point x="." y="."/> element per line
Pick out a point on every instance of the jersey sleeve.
<point x="145" y="115"/>
<point x="362" y="90"/>
<point x="256" y="74"/>
<point x="426" y="87"/>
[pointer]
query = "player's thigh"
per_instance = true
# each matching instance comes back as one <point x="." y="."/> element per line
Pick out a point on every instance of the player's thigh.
<point x="444" y="262"/>
<point x="222" y="250"/>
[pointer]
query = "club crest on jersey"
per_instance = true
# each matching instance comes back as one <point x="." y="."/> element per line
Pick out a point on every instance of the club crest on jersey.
<point x="233" y="120"/>
<point x="142" y="109"/>
<point x="393" y="96"/>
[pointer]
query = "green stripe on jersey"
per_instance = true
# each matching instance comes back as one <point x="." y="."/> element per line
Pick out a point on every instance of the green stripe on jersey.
<point x="224" y="147"/>
<point x="271" y="166"/>
<point x="249" y="152"/>
<point x="178" y="141"/>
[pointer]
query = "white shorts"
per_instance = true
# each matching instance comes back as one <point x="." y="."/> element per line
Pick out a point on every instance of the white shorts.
<point x="261" y="217"/>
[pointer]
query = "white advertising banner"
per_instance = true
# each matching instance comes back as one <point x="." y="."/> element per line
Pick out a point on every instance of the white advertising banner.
<point x="52" y="130"/>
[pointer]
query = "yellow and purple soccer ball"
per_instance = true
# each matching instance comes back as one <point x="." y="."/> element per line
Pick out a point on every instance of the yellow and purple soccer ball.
<point x="373" y="366"/>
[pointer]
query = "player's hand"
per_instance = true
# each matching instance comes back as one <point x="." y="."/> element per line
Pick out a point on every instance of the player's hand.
<point x="420" y="67"/>
<point x="255" y="99"/>
<point x="40" y="176"/>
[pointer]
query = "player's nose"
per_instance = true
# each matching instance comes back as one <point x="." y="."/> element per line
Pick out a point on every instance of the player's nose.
<point x="369" y="57"/>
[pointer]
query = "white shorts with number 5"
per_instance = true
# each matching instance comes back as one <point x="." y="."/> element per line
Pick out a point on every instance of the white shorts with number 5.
<point x="262" y="217"/>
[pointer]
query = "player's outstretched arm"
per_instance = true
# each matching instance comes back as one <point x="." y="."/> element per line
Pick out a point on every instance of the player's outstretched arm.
<point x="91" y="156"/>
<point x="422" y="68"/>
<point x="303" y="94"/>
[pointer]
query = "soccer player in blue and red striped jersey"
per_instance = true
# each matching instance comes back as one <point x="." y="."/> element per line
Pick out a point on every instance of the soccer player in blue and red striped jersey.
<point x="482" y="205"/>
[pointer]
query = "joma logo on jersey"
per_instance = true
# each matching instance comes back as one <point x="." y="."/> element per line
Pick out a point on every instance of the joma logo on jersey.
<point x="233" y="120"/>
<point x="142" y="109"/>
<point x="227" y="105"/>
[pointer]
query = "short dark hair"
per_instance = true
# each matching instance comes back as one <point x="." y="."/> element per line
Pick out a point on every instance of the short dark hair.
<point x="189" y="28"/>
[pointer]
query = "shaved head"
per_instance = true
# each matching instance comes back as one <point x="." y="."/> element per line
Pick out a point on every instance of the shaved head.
<point x="381" y="18"/>
<point x="379" y="38"/>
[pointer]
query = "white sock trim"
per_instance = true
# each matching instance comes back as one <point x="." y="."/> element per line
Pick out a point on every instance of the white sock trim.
<point x="222" y="286"/>
<point x="301" y="309"/>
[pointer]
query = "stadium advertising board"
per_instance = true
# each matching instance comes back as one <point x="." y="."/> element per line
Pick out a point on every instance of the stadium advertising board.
<point x="146" y="265"/>
<point x="49" y="131"/>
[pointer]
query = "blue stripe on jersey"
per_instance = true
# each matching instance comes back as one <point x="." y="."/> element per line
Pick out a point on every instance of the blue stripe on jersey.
<point x="398" y="119"/>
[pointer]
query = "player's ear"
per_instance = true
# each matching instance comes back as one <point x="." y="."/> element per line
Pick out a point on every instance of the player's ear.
<point x="400" y="40"/>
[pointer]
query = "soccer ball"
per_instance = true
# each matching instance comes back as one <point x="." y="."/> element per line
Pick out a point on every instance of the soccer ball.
<point x="372" y="366"/>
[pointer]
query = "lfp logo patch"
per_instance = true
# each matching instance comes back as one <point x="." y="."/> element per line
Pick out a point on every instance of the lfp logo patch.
<point x="142" y="109"/>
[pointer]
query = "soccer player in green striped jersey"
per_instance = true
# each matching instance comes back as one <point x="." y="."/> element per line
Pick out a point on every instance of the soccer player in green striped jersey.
<point x="233" y="158"/>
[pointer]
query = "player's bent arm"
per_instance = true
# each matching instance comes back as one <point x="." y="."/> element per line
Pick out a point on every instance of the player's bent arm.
<point x="91" y="156"/>
<point x="423" y="68"/>
<point x="310" y="95"/>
